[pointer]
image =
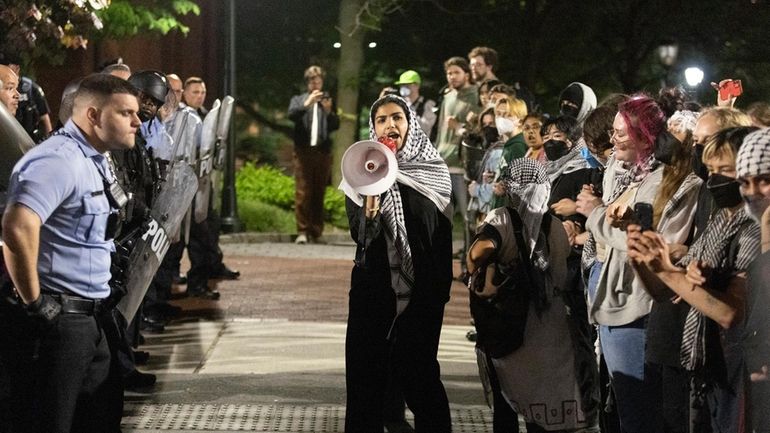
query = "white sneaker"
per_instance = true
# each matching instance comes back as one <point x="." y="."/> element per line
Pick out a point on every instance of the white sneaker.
<point x="301" y="239"/>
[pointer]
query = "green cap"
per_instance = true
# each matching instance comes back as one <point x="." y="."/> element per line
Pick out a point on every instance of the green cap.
<point x="409" y="77"/>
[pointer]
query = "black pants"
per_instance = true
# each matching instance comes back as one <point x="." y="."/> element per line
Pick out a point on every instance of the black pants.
<point x="672" y="400"/>
<point x="203" y="250"/>
<point x="67" y="370"/>
<point x="412" y="351"/>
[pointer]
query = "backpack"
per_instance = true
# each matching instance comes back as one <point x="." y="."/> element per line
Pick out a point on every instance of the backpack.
<point x="501" y="320"/>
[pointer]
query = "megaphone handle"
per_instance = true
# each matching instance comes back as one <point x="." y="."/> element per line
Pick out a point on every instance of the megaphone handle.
<point x="372" y="206"/>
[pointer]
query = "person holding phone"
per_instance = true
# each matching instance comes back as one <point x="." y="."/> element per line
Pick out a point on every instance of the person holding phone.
<point x="617" y="302"/>
<point x="711" y="279"/>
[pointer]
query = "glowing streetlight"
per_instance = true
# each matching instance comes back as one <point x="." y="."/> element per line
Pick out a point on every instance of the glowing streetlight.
<point x="693" y="76"/>
<point x="372" y="44"/>
<point x="337" y="45"/>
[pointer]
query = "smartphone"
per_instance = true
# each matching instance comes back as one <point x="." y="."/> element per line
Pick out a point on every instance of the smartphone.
<point x="643" y="212"/>
<point x="732" y="88"/>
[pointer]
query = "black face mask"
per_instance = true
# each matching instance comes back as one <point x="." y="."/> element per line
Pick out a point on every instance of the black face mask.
<point x="490" y="134"/>
<point x="698" y="167"/>
<point x="725" y="191"/>
<point x="666" y="146"/>
<point x="555" y="149"/>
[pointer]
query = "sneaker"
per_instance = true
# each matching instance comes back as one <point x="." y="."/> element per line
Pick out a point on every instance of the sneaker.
<point x="301" y="239"/>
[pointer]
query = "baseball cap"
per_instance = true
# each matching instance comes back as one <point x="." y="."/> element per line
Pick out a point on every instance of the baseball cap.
<point x="409" y="77"/>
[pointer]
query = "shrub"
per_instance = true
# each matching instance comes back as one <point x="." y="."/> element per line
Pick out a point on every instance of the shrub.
<point x="257" y="216"/>
<point x="270" y="186"/>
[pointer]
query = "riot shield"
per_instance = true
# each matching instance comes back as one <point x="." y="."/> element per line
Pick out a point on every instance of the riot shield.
<point x="206" y="163"/>
<point x="185" y="129"/>
<point x="223" y="131"/>
<point x="14" y="142"/>
<point x="147" y="254"/>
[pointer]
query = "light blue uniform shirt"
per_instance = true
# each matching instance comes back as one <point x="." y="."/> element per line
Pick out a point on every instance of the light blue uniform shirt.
<point x="157" y="139"/>
<point x="61" y="181"/>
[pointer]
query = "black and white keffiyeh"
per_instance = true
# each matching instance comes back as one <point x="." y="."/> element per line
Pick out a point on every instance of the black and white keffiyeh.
<point x="421" y="168"/>
<point x="713" y="248"/>
<point x="754" y="154"/>
<point x="568" y="163"/>
<point x="528" y="189"/>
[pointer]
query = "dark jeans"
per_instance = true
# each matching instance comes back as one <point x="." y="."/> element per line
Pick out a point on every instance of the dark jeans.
<point x="66" y="369"/>
<point x="411" y="351"/>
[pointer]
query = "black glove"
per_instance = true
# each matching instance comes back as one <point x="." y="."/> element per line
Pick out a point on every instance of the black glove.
<point x="44" y="308"/>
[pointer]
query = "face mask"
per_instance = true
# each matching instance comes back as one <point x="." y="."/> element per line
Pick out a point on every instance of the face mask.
<point x="590" y="158"/>
<point x="568" y="110"/>
<point x="725" y="191"/>
<point x="698" y="167"/>
<point x="504" y="125"/>
<point x="665" y="147"/>
<point x="490" y="134"/>
<point x="755" y="207"/>
<point x="555" y="149"/>
<point x="404" y="91"/>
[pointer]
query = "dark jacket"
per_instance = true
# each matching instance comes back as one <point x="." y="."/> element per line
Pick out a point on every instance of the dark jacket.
<point x="303" y="119"/>
<point x="430" y="239"/>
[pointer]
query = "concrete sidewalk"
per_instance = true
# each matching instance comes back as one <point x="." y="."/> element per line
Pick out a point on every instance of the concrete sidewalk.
<point x="269" y="356"/>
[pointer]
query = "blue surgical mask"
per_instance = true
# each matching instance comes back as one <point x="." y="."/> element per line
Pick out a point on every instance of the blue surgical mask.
<point x="590" y="158"/>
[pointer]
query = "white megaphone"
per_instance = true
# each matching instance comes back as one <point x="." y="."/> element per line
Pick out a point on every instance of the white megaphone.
<point x="369" y="167"/>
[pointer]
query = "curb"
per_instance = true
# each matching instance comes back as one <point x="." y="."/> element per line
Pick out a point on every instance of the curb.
<point x="257" y="237"/>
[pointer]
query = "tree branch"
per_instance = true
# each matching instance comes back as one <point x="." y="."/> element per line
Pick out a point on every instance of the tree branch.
<point x="261" y="118"/>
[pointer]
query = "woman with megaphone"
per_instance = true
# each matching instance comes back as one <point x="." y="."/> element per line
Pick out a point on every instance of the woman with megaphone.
<point x="403" y="269"/>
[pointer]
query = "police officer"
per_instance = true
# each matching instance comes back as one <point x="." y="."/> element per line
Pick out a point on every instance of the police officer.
<point x="56" y="229"/>
<point x="33" y="112"/>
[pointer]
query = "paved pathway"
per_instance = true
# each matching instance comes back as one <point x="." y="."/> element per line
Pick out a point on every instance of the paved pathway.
<point x="269" y="355"/>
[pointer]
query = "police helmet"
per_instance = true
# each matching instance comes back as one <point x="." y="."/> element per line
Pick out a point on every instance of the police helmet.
<point x="152" y="83"/>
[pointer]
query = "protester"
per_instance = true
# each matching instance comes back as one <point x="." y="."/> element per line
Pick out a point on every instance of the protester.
<point x="577" y="100"/>
<point x="617" y="302"/>
<point x="483" y="61"/>
<point x="753" y="166"/>
<point x="314" y="121"/>
<point x="531" y="126"/>
<point x="509" y="112"/>
<point x="521" y="255"/>
<point x="711" y="278"/>
<point x="409" y="88"/>
<point x="400" y="281"/>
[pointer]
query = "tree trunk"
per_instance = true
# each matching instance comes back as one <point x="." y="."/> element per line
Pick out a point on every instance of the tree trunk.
<point x="348" y="70"/>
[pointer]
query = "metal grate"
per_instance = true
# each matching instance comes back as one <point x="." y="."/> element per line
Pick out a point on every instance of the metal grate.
<point x="266" y="418"/>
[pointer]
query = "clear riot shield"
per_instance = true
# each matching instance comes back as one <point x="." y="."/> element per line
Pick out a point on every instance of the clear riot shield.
<point x="166" y="216"/>
<point x="220" y="147"/>
<point x="185" y="129"/>
<point x="206" y="163"/>
<point x="14" y="142"/>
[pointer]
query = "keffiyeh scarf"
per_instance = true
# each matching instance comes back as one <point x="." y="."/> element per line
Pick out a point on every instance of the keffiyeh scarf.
<point x="421" y="168"/>
<point x="528" y="189"/>
<point x="568" y="163"/>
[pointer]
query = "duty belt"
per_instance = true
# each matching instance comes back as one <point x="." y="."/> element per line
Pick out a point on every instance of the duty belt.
<point x="77" y="305"/>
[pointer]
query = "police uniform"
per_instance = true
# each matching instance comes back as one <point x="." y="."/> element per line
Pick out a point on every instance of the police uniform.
<point x="63" y="181"/>
<point x="32" y="106"/>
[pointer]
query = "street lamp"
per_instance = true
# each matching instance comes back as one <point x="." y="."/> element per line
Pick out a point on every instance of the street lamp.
<point x="230" y="221"/>
<point x="667" y="54"/>
<point x="693" y="76"/>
